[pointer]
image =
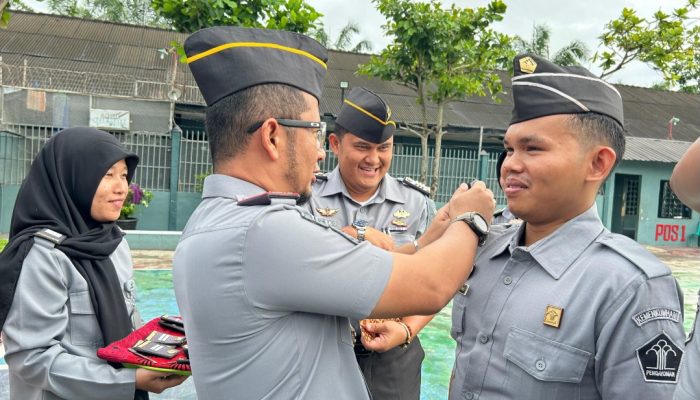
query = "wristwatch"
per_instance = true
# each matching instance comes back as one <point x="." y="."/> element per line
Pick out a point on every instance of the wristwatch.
<point x="361" y="226"/>
<point x="477" y="223"/>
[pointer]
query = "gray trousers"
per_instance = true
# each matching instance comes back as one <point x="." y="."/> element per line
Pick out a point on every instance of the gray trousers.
<point x="395" y="374"/>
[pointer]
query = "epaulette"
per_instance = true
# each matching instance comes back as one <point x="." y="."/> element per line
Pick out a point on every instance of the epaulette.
<point x="51" y="235"/>
<point x="321" y="176"/>
<point x="412" y="183"/>
<point x="635" y="253"/>
<point x="267" y="198"/>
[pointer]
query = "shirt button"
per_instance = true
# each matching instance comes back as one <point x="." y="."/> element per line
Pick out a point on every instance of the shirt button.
<point x="470" y="395"/>
<point x="483" y="339"/>
<point x="540" y="365"/>
<point x="507" y="280"/>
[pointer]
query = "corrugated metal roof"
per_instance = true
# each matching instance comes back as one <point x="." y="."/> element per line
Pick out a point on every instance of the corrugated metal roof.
<point x="659" y="150"/>
<point x="73" y="44"/>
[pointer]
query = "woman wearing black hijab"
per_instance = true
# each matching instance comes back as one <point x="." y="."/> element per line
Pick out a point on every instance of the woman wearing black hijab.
<point x="67" y="284"/>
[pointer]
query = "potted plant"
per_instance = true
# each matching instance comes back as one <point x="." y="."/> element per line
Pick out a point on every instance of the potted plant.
<point x="136" y="197"/>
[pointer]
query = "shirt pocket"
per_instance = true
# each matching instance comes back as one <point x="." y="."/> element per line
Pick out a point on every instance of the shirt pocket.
<point x="541" y="368"/>
<point x="84" y="330"/>
<point x="458" y="308"/>
<point x="344" y="331"/>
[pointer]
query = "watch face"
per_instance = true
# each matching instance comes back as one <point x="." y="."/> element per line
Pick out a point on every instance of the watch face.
<point x="481" y="223"/>
<point x="360" y="223"/>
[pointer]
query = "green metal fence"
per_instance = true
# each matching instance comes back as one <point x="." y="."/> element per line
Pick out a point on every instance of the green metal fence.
<point x="20" y="143"/>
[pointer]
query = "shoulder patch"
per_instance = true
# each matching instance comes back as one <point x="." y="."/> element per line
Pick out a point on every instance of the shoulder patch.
<point x="321" y="176"/>
<point x="635" y="253"/>
<point x="657" y="313"/>
<point x="51" y="235"/>
<point x="660" y="359"/>
<point x="414" y="184"/>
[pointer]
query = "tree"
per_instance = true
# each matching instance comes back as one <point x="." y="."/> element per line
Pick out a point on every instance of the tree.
<point x="192" y="15"/>
<point x="344" y="40"/>
<point x="666" y="42"/>
<point x="572" y="54"/>
<point x="445" y="55"/>
<point x="5" y="14"/>
<point x="135" y="12"/>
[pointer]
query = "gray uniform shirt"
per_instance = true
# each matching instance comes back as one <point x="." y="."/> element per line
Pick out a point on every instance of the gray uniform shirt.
<point x="403" y="212"/>
<point x="689" y="381"/>
<point x="265" y="292"/>
<point x="51" y="333"/>
<point x="581" y="314"/>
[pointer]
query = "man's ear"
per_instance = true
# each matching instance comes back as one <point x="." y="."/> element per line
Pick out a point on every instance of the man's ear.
<point x="602" y="159"/>
<point x="271" y="136"/>
<point x="334" y="142"/>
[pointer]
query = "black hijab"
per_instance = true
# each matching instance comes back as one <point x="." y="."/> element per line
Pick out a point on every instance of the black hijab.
<point x="57" y="194"/>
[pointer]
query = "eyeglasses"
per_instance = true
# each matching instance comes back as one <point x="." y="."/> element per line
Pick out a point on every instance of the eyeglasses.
<point x="318" y="128"/>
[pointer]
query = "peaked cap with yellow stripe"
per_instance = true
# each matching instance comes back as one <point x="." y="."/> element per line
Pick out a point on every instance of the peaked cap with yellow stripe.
<point x="227" y="59"/>
<point x="542" y="88"/>
<point x="366" y="115"/>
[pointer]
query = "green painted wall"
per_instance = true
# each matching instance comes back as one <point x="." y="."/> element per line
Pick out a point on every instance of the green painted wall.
<point x="8" y="194"/>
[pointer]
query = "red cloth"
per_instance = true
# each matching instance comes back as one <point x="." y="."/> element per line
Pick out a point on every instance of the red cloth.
<point x="118" y="352"/>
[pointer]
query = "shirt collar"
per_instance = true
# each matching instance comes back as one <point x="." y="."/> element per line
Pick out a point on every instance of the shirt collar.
<point x="558" y="251"/>
<point x="389" y="188"/>
<point x="217" y="185"/>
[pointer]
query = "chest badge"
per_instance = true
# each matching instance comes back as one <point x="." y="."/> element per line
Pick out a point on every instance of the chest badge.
<point x="327" y="211"/>
<point x="553" y="316"/>
<point x="401" y="214"/>
<point x="399" y="222"/>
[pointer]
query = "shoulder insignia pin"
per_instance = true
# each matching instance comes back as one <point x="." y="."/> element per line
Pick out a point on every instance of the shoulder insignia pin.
<point x="498" y="213"/>
<point x="528" y="65"/>
<point x="553" y="315"/>
<point x="327" y="211"/>
<point x="51" y="236"/>
<point x="412" y="183"/>
<point x="401" y="213"/>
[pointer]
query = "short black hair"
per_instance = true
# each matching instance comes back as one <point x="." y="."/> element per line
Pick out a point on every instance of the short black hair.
<point x="340" y="131"/>
<point x="228" y="120"/>
<point x="596" y="129"/>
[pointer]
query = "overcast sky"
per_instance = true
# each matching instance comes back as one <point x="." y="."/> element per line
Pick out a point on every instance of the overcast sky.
<point x="582" y="20"/>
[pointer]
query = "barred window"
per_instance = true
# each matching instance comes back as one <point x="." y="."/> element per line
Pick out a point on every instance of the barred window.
<point x="669" y="205"/>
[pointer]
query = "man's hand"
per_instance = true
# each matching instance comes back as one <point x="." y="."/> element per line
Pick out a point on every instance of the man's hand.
<point x="374" y="236"/>
<point x="382" y="336"/>
<point x="155" y="381"/>
<point x="476" y="198"/>
<point x="437" y="227"/>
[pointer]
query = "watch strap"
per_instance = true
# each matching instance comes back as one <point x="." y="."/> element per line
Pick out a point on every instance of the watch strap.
<point x="361" y="231"/>
<point x="468" y="218"/>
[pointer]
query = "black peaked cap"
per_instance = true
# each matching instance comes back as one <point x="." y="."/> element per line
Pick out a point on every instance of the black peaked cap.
<point x="366" y="115"/>
<point x="542" y="88"/>
<point x="228" y="59"/>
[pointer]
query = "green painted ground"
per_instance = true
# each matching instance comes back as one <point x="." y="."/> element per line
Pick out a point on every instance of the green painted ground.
<point x="156" y="297"/>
